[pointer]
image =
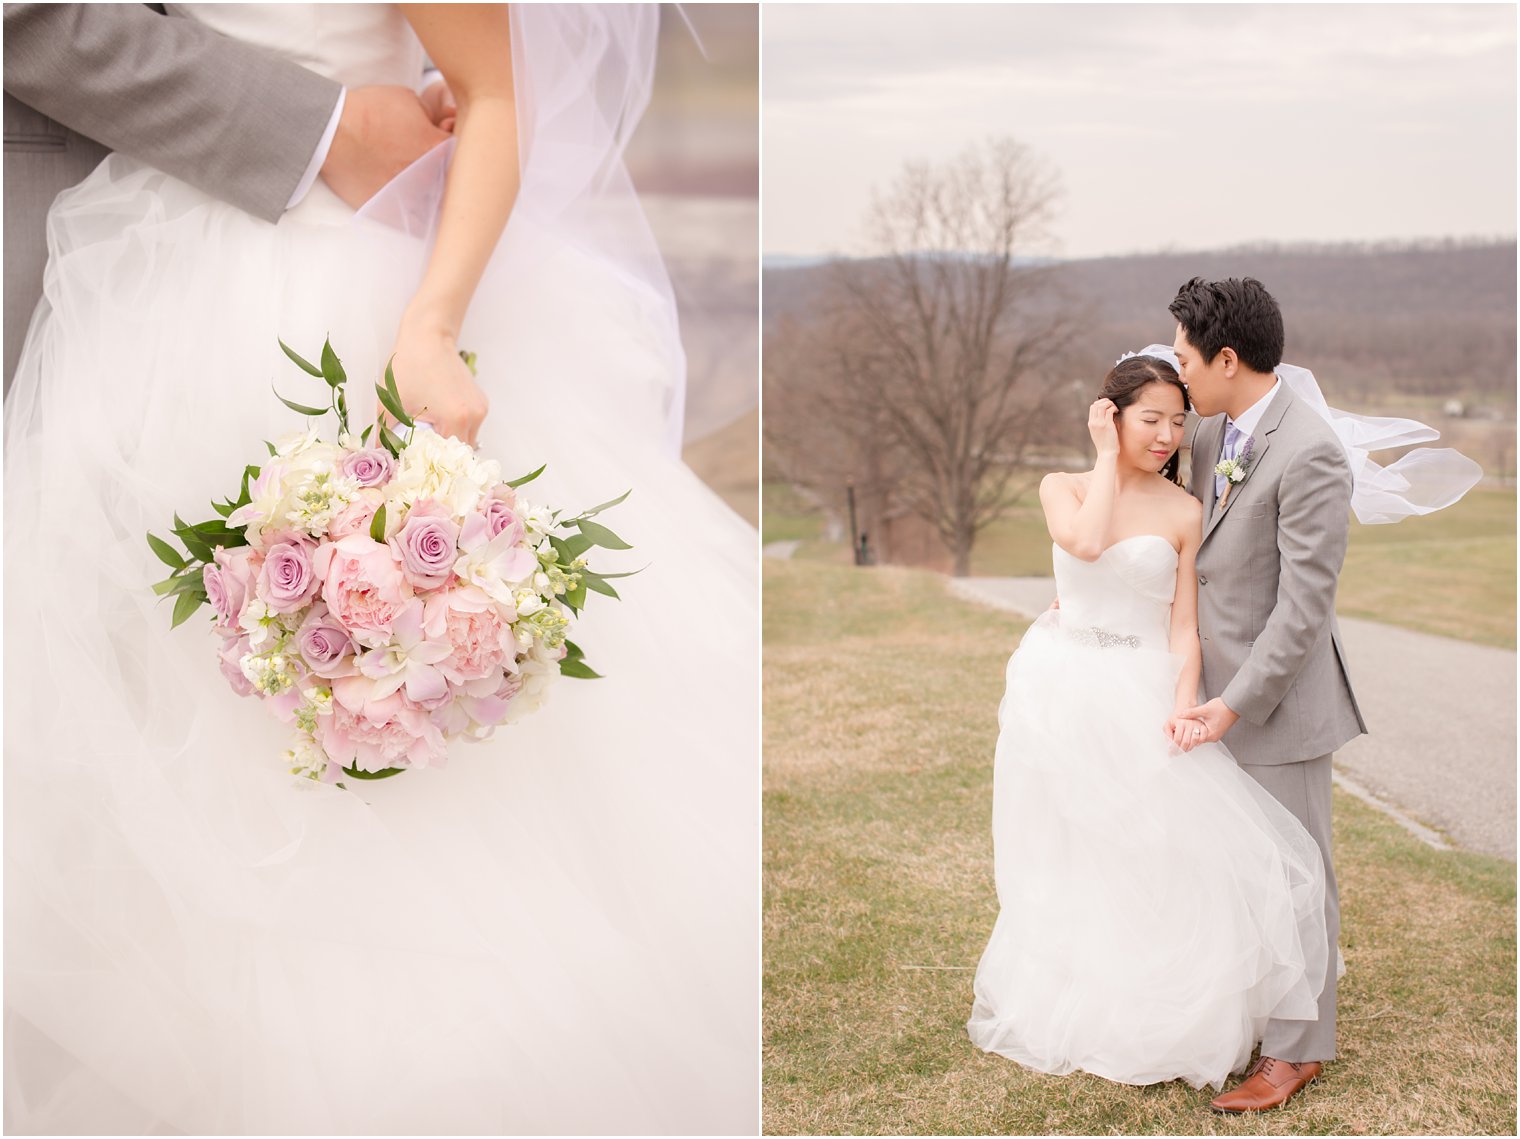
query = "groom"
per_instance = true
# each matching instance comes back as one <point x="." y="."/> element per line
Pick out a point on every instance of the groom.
<point x="1274" y="673"/>
<point x="230" y="118"/>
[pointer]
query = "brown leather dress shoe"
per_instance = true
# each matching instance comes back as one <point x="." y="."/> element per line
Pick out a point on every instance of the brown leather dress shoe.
<point x="1269" y="1083"/>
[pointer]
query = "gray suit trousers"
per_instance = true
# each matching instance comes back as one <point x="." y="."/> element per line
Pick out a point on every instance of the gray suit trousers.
<point x="1304" y="788"/>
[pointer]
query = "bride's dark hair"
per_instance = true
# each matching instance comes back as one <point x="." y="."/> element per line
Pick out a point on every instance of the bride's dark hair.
<point x="1128" y="377"/>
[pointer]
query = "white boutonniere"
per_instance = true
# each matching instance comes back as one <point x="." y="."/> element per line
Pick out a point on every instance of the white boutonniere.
<point x="1234" y="470"/>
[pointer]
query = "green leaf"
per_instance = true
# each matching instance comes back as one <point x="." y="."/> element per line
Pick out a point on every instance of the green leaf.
<point x="300" y="362"/>
<point x="355" y="773"/>
<point x="332" y="370"/>
<point x="390" y="441"/>
<point x="223" y="508"/>
<point x="529" y="477"/>
<point x="166" y="553"/>
<point x="598" y="585"/>
<point x="573" y="651"/>
<point x="377" y="525"/>
<point x="364" y="435"/>
<point x="270" y="445"/>
<point x="579" y="669"/>
<point x="601" y="536"/>
<point x="167" y="586"/>
<point x="469" y="359"/>
<point x="193" y="541"/>
<point x="390" y="381"/>
<point x="187" y="604"/>
<point x="575" y="598"/>
<point x="629" y="573"/>
<point x="569" y="548"/>
<point x="595" y="510"/>
<point x="393" y="405"/>
<point x="301" y="407"/>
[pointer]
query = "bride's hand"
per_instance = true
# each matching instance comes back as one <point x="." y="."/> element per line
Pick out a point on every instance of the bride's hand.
<point x="1186" y="733"/>
<point x="436" y="385"/>
<point x="1102" y="428"/>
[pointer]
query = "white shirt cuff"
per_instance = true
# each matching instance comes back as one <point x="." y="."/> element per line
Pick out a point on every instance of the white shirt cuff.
<point x="320" y="155"/>
<point x="429" y="77"/>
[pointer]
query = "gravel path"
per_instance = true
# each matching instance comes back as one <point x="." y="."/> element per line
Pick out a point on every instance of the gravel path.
<point x="1441" y="714"/>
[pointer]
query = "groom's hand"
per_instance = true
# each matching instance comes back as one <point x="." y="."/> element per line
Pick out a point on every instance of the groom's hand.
<point x="383" y="129"/>
<point x="1216" y="717"/>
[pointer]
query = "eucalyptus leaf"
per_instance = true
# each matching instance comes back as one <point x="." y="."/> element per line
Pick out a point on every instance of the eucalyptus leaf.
<point x="598" y="585"/>
<point x="332" y="370"/>
<point x="608" y="505"/>
<point x="166" y="553"/>
<point x="392" y="404"/>
<point x="356" y="773"/>
<point x="187" y="604"/>
<point x="300" y="407"/>
<point x="301" y="362"/>
<point x="601" y="536"/>
<point x="528" y="477"/>
<point x="579" y="669"/>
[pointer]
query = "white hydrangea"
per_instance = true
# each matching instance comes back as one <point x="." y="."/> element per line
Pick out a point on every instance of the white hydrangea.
<point x="443" y="469"/>
<point x="539" y="669"/>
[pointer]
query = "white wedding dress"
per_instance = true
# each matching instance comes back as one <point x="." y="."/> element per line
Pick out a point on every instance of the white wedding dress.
<point x="556" y="932"/>
<point x="1156" y="907"/>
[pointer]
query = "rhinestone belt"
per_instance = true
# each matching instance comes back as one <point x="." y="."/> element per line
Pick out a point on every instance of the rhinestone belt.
<point x="1103" y="639"/>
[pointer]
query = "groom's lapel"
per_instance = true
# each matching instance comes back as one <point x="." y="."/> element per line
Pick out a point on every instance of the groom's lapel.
<point x="1203" y="457"/>
<point x="1261" y="439"/>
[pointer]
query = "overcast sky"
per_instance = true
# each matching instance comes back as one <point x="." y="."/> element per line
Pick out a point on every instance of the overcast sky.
<point x="1171" y="126"/>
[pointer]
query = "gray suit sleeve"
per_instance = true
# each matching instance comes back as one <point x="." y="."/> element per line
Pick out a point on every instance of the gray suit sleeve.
<point x="1314" y="506"/>
<point x="229" y="118"/>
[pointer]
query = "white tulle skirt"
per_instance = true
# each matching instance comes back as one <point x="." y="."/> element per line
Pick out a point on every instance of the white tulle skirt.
<point x="1156" y="907"/>
<point x="554" y="933"/>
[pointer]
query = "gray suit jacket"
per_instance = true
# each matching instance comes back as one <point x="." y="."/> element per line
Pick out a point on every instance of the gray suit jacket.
<point x="1267" y="572"/>
<point x="82" y="79"/>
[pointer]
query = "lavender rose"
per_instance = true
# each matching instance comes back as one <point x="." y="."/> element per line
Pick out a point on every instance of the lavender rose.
<point x="428" y="546"/>
<point x="286" y="580"/>
<point x="325" y="645"/>
<point x="500" y="516"/>
<point x="369" y="468"/>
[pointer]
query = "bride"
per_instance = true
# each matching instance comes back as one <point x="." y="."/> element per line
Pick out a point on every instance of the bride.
<point x="1157" y="906"/>
<point x="556" y="932"/>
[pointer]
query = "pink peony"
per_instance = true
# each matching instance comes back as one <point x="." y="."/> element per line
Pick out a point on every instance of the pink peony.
<point x="372" y="467"/>
<point x="481" y="643"/>
<point x="286" y="579"/>
<point x="356" y="517"/>
<point x="375" y="734"/>
<point x="427" y="545"/>
<point x="363" y="587"/>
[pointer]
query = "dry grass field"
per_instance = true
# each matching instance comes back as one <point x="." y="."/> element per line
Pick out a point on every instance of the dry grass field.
<point x="881" y="693"/>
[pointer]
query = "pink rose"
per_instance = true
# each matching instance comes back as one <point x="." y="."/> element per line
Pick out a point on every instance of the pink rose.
<point x="500" y="516"/>
<point x="369" y="468"/>
<point x="486" y="709"/>
<point x="363" y="587"/>
<point x="231" y="653"/>
<point x="481" y="643"/>
<point x="325" y="645"/>
<point x="229" y="582"/>
<point x="427" y="545"/>
<point x="286" y="580"/>
<point x="356" y="517"/>
<point x="375" y="734"/>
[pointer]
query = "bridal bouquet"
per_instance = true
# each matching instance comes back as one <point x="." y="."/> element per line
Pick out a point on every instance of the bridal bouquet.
<point x="386" y="598"/>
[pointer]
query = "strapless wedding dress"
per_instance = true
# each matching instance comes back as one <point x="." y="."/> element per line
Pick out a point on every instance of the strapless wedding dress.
<point x="1156" y="907"/>
<point x="557" y="931"/>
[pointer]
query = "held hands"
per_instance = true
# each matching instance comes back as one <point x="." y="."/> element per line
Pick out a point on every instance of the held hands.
<point x="1102" y="428"/>
<point x="437" y="386"/>
<point x="383" y="129"/>
<point x="1214" y="718"/>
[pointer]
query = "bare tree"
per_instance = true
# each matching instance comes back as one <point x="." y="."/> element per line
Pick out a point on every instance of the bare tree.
<point x="950" y="335"/>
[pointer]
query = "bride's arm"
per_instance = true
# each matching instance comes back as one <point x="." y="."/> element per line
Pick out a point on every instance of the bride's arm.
<point x="1184" y="631"/>
<point x="471" y="45"/>
<point x="1079" y="524"/>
